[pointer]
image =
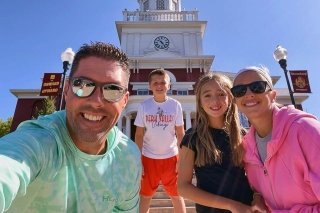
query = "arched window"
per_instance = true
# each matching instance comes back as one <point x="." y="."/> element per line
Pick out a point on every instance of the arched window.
<point x="160" y="5"/>
<point x="146" y="5"/>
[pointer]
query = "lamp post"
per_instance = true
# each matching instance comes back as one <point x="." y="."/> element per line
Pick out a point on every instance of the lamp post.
<point x="280" y="55"/>
<point x="67" y="59"/>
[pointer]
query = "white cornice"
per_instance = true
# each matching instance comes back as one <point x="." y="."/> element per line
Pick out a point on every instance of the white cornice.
<point x="204" y="61"/>
<point x="158" y="25"/>
<point x="27" y="93"/>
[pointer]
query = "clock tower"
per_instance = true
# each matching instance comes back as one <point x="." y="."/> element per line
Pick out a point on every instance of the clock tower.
<point x="160" y="35"/>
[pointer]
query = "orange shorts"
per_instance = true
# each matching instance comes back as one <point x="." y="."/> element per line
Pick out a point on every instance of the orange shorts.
<point x="156" y="170"/>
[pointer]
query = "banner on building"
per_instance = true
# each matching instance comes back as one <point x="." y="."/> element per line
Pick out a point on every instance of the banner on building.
<point x="300" y="81"/>
<point x="51" y="84"/>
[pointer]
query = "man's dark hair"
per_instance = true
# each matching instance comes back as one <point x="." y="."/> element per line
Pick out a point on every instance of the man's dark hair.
<point x="101" y="50"/>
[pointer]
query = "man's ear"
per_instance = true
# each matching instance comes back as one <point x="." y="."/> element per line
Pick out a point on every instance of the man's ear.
<point x="66" y="87"/>
<point x="125" y="99"/>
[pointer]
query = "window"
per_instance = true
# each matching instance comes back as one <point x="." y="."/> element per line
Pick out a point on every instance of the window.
<point x="146" y="5"/>
<point x="142" y="92"/>
<point x="169" y="92"/>
<point x="182" y="92"/>
<point x="160" y="4"/>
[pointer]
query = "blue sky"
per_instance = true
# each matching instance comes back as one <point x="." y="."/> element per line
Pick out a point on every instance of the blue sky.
<point x="33" y="34"/>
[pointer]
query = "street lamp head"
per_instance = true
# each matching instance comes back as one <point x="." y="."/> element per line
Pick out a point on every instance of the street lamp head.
<point x="67" y="55"/>
<point x="280" y="53"/>
<point x="67" y="59"/>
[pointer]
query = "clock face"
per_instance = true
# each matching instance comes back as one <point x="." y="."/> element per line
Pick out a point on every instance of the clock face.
<point x="161" y="42"/>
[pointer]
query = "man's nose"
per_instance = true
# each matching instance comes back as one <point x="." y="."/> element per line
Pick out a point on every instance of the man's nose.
<point x="97" y="96"/>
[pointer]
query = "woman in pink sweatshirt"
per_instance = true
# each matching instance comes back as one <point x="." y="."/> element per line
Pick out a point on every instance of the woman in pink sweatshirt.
<point x="282" y="147"/>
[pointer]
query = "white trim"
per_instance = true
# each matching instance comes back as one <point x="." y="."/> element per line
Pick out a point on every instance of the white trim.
<point x="182" y="86"/>
<point x="139" y="85"/>
<point x="27" y="93"/>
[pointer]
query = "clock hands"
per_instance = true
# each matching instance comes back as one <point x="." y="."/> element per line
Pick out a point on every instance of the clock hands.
<point x="161" y="42"/>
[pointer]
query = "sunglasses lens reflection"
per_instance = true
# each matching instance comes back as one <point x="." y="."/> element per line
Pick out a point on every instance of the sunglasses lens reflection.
<point x="113" y="92"/>
<point x="82" y="87"/>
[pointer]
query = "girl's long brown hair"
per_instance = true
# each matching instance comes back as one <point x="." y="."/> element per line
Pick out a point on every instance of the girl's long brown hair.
<point x="207" y="152"/>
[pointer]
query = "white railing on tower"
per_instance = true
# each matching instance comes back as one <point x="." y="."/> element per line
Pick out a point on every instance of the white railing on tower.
<point x="160" y="15"/>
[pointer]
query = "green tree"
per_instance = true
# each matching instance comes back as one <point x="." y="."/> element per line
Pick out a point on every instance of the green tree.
<point x="48" y="107"/>
<point x="5" y="126"/>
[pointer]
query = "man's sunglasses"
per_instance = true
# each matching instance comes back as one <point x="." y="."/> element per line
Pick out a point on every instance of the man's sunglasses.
<point x="256" y="87"/>
<point x="83" y="87"/>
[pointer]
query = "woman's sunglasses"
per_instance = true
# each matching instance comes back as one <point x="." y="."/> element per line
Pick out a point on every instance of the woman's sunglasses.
<point x="83" y="88"/>
<point x="256" y="87"/>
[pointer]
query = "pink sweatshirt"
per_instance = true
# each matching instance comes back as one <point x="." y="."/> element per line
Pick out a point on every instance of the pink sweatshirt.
<point x="289" y="179"/>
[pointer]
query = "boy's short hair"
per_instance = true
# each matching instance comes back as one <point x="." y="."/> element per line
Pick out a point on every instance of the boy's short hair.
<point x="161" y="72"/>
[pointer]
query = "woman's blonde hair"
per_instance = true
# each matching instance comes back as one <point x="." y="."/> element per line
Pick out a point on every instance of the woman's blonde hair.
<point x="207" y="152"/>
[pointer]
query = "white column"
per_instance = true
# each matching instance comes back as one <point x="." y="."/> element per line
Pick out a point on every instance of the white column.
<point x="128" y="125"/>
<point x="119" y="124"/>
<point x="137" y="65"/>
<point x="188" y="119"/>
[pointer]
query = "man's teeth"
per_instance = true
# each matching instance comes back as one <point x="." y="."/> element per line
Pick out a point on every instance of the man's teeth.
<point x="92" y="117"/>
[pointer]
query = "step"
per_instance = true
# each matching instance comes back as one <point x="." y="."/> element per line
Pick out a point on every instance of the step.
<point x="160" y="195"/>
<point x="167" y="203"/>
<point x="161" y="202"/>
